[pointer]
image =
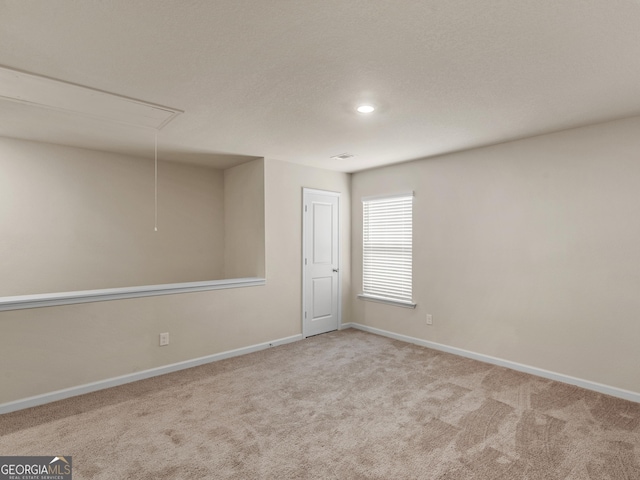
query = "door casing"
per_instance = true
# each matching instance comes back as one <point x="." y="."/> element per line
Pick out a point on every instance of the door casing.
<point x="305" y="255"/>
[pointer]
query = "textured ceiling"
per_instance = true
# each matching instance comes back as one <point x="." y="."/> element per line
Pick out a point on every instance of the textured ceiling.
<point x="280" y="78"/>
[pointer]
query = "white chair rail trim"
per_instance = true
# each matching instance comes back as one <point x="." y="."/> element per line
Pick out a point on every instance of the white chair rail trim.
<point x="84" y="296"/>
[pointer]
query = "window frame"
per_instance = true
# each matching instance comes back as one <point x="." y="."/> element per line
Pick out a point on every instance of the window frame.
<point x="397" y="300"/>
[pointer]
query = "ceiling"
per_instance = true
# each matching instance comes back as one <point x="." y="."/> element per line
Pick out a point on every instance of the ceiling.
<point x="281" y="78"/>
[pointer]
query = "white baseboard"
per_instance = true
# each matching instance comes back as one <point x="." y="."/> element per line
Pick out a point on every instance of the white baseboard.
<point x="597" y="387"/>
<point x="133" y="377"/>
<point x="113" y="382"/>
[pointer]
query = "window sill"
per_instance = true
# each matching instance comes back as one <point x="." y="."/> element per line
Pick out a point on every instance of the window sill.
<point x="84" y="296"/>
<point x="388" y="301"/>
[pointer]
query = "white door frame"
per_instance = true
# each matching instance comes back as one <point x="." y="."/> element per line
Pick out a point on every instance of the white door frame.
<point x="304" y="255"/>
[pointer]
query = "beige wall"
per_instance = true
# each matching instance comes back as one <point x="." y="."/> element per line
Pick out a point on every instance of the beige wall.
<point x="527" y="251"/>
<point x="47" y="349"/>
<point x="75" y="219"/>
<point x="244" y="220"/>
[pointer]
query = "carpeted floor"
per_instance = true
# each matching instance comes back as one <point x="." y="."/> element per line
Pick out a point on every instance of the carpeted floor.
<point x="345" y="405"/>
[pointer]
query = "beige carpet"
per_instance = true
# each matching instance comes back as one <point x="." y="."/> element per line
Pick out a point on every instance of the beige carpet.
<point x="344" y="405"/>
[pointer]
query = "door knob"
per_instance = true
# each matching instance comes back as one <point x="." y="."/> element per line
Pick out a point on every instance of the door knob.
<point x="335" y="270"/>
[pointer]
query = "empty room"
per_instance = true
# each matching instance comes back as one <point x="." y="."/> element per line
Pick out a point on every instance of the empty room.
<point x="348" y="239"/>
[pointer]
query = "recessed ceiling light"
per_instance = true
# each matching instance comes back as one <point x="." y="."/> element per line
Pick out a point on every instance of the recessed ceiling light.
<point x="365" y="108"/>
<point x="342" y="156"/>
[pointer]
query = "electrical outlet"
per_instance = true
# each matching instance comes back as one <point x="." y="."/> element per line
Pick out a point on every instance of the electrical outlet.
<point x="429" y="319"/>
<point x="164" y="339"/>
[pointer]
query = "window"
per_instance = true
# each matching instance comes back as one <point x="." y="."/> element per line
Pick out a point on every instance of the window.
<point x="387" y="249"/>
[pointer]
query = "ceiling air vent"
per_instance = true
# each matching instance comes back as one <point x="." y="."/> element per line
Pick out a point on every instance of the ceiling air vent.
<point x="342" y="156"/>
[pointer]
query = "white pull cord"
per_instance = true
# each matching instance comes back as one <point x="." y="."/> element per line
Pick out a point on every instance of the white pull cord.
<point x="156" y="184"/>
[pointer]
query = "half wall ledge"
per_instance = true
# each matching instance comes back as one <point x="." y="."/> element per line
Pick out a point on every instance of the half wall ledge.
<point x="85" y="296"/>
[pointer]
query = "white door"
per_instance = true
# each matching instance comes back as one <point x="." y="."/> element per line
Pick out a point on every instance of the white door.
<point x="320" y="262"/>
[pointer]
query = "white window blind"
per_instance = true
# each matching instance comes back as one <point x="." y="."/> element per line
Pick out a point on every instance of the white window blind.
<point x="387" y="247"/>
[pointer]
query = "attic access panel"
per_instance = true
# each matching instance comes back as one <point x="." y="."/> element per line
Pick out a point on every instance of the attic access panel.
<point x="54" y="94"/>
